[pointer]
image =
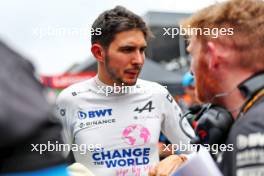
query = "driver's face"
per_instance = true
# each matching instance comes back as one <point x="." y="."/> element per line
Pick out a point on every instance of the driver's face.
<point x="125" y="57"/>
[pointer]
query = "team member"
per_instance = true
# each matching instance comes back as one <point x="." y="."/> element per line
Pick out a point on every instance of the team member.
<point x="115" y="110"/>
<point x="232" y="65"/>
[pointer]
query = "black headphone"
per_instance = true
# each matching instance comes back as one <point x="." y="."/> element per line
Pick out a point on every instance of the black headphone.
<point x="213" y="124"/>
<point x="213" y="121"/>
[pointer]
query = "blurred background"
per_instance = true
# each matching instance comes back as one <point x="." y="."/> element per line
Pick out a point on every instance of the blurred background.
<point x="55" y="36"/>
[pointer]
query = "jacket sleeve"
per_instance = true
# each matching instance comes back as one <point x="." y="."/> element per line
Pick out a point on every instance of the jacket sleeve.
<point x="65" y="112"/>
<point x="171" y="121"/>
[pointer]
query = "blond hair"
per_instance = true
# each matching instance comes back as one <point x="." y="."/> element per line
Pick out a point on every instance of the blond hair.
<point x="246" y="18"/>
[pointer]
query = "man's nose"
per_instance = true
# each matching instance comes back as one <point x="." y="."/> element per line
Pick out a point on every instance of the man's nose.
<point x="138" y="58"/>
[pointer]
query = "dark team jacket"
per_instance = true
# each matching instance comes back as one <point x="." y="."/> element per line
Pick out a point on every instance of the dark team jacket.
<point x="25" y="117"/>
<point x="247" y="137"/>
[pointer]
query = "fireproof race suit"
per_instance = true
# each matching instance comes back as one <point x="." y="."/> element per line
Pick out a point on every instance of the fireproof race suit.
<point x="123" y="126"/>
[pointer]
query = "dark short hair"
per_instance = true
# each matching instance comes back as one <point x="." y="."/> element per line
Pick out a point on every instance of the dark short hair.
<point x="114" y="21"/>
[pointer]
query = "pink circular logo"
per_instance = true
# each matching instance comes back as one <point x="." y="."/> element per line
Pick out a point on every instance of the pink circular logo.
<point x="136" y="135"/>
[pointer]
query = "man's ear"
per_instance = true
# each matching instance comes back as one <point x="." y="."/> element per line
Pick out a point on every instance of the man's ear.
<point x="98" y="52"/>
<point x="213" y="55"/>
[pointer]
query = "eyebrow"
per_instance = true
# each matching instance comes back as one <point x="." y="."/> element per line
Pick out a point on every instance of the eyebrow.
<point x="145" y="46"/>
<point x="131" y="46"/>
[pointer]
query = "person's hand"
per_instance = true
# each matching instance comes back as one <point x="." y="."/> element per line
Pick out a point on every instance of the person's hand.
<point x="168" y="165"/>
<point x="77" y="169"/>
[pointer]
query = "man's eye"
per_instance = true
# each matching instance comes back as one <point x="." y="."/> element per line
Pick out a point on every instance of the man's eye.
<point x="142" y="50"/>
<point x="127" y="50"/>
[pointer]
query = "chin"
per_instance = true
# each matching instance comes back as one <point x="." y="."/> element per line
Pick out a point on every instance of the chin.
<point x="200" y="96"/>
<point x="130" y="82"/>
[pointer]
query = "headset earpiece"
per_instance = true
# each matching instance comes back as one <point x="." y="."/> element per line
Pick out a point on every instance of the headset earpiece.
<point x="213" y="125"/>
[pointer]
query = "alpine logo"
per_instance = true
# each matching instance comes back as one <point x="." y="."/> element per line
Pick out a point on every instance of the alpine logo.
<point x="94" y="114"/>
<point x="148" y="107"/>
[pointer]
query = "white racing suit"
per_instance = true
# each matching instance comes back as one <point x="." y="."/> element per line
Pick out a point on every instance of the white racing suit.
<point x="120" y="130"/>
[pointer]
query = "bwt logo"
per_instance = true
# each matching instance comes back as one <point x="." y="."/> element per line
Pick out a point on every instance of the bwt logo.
<point x="94" y="114"/>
